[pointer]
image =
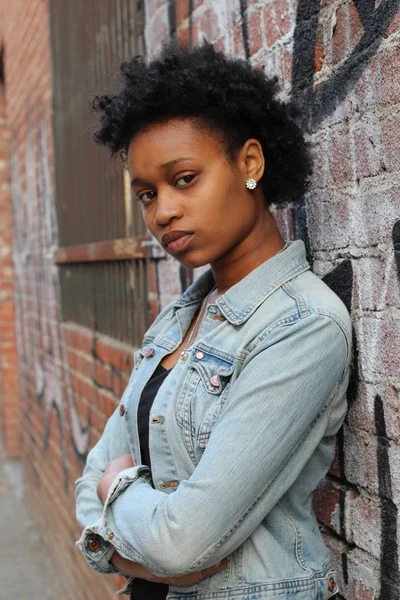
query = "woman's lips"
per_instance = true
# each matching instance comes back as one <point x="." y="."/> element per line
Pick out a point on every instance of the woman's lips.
<point x="179" y="244"/>
<point x="176" y="240"/>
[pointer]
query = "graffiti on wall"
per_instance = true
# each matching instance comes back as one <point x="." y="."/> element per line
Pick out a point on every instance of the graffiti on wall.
<point x="396" y="245"/>
<point x="316" y="103"/>
<point x="390" y="576"/>
<point x="41" y="344"/>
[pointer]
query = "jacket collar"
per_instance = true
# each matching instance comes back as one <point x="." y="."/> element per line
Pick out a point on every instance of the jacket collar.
<point x="239" y="302"/>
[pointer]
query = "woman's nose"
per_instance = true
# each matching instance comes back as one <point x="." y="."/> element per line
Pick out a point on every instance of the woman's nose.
<point x="166" y="209"/>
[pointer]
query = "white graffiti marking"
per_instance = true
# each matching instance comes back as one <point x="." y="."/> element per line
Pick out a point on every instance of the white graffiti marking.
<point x="41" y="344"/>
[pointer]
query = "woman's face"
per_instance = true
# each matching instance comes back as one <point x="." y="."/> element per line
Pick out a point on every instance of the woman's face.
<point x="194" y="201"/>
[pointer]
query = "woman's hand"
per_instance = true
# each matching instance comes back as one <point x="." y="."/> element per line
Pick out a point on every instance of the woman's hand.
<point x="119" y="464"/>
<point x="113" y="468"/>
<point x="137" y="570"/>
<point x="131" y="568"/>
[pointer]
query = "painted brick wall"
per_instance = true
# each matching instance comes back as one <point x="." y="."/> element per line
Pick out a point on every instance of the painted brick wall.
<point x="340" y="62"/>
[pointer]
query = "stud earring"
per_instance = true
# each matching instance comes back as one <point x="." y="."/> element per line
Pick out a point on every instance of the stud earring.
<point x="251" y="184"/>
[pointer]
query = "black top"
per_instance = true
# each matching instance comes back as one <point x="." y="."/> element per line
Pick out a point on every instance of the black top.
<point x="142" y="589"/>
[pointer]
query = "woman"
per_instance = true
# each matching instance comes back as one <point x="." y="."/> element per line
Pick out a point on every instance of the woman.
<point x="202" y="480"/>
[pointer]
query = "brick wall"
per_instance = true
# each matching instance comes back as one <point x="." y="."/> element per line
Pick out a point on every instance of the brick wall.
<point x="341" y="65"/>
<point x="339" y="61"/>
<point x="9" y="399"/>
<point x="69" y="380"/>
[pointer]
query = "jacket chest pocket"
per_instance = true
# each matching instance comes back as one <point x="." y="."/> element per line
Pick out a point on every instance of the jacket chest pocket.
<point x="202" y="398"/>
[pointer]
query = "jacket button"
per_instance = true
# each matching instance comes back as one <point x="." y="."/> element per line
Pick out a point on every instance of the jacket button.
<point x="218" y="317"/>
<point x="157" y="420"/>
<point x="94" y="543"/>
<point x="110" y="536"/>
<point x="199" y="355"/>
<point x="122" y="410"/>
<point x="168" y="484"/>
<point x="331" y="584"/>
<point x="149" y="352"/>
<point x="214" y="381"/>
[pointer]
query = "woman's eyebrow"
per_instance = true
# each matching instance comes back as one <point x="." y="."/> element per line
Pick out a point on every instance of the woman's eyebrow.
<point x="138" y="181"/>
<point x="171" y="163"/>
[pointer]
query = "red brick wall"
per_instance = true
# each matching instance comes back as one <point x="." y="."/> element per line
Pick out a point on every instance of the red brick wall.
<point x="9" y="396"/>
<point x="69" y="381"/>
<point x="341" y="65"/>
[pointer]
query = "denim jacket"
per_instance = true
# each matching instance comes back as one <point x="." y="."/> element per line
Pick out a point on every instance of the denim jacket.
<point x="241" y="432"/>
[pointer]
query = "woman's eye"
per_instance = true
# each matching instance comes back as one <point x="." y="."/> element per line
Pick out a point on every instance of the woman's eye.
<point x="184" y="180"/>
<point x="146" y="197"/>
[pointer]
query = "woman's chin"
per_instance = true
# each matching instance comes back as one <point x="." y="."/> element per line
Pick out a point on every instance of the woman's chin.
<point x="192" y="262"/>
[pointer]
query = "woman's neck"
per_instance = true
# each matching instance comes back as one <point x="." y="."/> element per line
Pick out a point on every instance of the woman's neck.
<point x="264" y="242"/>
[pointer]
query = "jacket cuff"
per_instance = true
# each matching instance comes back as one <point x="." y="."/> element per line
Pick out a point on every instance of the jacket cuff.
<point x="97" y="541"/>
<point x="127" y="587"/>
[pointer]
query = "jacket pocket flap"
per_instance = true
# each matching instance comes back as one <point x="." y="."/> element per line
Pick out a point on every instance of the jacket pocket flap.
<point x="214" y="371"/>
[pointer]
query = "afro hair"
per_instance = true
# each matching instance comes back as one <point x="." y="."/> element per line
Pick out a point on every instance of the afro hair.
<point x="225" y="94"/>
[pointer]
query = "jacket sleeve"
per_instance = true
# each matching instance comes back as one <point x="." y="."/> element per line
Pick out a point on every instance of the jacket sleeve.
<point x="276" y="413"/>
<point x="89" y="509"/>
<point x="112" y="444"/>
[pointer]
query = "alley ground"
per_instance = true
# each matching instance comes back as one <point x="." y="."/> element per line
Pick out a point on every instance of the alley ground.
<point x="25" y="564"/>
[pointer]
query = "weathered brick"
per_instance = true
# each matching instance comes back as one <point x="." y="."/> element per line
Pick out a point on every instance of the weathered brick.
<point x="354" y="570"/>
<point x="113" y="353"/>
<point x="340" y="33"/>
<point x="103" y="375"/>
<point x="181" y="12"/>
<point x="270" y="28"/>
<point x="207" y="27"/>
<point x="326" y="503"/>
<point x="366" y="523"/>
<point x="373" y="209"/>
<point x="389" y="64"/>
<point x="375" y="283"/>
<point x="340" y="155"/>
<point x="282" y="17"/>
<point x="356" y="28"/>
<point x="157" y="27"/>
<point x="182" y="36"/>
<point x="255" y="31"/>
<point x="361" y="459"/>
<point x="361" y="414"/>
<point x="394" y="25"/>
<point x="329" y="228"/>
<point x="238" y="44"/>
<point x="376" y="338"/>
<point x="391" y="143"/>
<point x="319" y="49"/>
<point x="367" y="140"/>
<point x="79" y="337"/>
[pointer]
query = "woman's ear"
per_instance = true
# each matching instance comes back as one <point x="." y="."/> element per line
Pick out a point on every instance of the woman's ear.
<point x="251" y="160"/>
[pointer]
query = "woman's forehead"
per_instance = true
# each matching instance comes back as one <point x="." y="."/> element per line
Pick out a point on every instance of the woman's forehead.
<point x="171" y="140"/>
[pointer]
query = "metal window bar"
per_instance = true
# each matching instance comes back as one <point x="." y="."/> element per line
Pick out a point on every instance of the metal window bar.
<point x="104" y="250"/>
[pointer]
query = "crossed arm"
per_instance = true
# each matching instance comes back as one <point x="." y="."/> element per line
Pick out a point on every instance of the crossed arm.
<point x="282" y="413"/>
<point x="134" y="569"/>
